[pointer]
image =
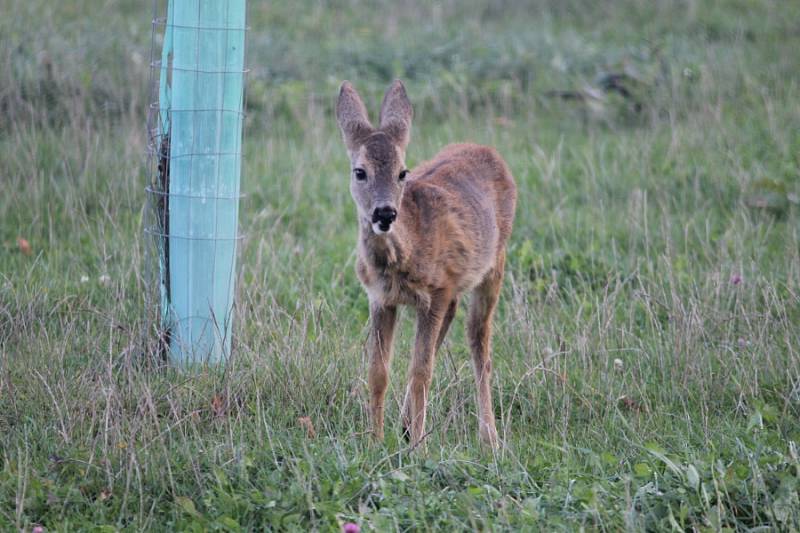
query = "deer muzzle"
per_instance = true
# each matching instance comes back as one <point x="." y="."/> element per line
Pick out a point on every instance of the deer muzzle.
<point x="382" y="218"/>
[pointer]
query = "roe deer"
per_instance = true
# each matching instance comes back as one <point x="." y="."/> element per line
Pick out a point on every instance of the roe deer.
<point x="426" y="236"/>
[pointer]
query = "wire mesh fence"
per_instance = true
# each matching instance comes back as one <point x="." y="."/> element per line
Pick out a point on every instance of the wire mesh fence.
<point x="194" y="126"/>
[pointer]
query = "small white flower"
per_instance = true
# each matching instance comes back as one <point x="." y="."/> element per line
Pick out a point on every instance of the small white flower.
<point x="84" y="278"/>
<point x="104" y="280"/>
<point x="618" y="365"/>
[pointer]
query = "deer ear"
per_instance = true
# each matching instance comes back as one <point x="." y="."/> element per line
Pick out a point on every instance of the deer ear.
<point x="396" y="114"/>
<point x="352" y="116"/>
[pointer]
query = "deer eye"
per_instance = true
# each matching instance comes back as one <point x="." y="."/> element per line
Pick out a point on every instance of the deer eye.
<point x="360" y="174"/>
<point x="403" y="174"/>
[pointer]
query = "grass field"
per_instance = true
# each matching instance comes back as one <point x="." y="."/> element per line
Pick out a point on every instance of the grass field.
<point x="647" y="346"/>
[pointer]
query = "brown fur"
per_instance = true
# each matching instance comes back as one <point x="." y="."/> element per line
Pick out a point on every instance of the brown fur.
<point x="454" y="217"/>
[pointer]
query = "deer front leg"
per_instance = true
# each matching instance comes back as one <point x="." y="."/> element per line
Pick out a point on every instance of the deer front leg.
<point x="382" y="322"/>
<point x="429" y="323"/>
<point x="445" y="325"/>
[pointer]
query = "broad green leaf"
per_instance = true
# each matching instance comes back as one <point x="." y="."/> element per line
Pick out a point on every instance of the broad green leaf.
<point x="187" y="505"/>
<point x="692" y="477"/>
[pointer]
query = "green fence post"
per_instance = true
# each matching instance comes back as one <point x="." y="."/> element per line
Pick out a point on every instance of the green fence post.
<point x="200" y="105"/>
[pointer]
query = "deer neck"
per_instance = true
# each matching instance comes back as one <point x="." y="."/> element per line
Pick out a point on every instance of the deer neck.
<point x="387" y="251"/>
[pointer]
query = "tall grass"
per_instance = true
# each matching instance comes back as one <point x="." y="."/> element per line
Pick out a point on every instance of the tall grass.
<point x="646" y="347"/>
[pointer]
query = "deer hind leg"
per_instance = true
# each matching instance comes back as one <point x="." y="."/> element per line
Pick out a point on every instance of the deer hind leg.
<point x="479" y="332"/>
<point x="445" y="326"/>
<point x="446" y="321"/>
<point x="382" y="322"/>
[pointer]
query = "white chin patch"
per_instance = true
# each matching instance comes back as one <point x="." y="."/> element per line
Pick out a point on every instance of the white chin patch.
<point x="378" y="231"/>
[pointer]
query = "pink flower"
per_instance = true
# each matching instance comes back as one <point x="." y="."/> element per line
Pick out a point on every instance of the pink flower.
<point x="37" y="529"/>
<point x="742" y="342"/>
<point x="350" y="527"/>
<point x="736" y="279"/>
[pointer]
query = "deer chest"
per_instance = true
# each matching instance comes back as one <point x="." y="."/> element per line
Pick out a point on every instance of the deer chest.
<point x="391" y="286"/>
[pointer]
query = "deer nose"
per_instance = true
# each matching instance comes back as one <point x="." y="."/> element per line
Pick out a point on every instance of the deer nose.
<point x="384" y="216"/>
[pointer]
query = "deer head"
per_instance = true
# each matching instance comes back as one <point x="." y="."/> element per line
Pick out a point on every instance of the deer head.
<point x="377" y="155"/>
